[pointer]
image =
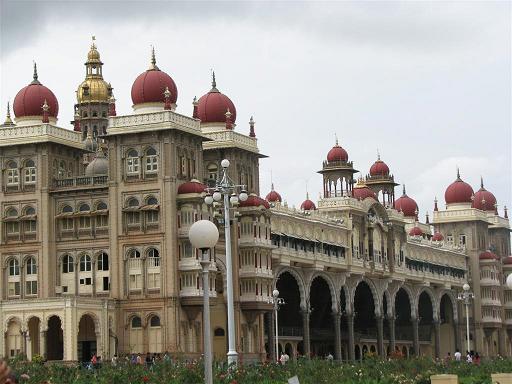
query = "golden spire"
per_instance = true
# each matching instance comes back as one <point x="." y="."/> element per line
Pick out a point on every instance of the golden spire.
<point x="8" y="120"/>
<point x="152" y="65"/>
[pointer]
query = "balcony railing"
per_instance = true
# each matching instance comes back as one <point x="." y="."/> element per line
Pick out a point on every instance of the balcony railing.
<point x="81" y="181"/>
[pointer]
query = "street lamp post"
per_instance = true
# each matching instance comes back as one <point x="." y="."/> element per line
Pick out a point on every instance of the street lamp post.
<point x="466" y="296"/>
<point x="277" y="302"/>
<point x="226" y="189"/>
<point x="203" y="234"/>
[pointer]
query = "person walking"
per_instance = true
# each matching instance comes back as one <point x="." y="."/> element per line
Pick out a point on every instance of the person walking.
<point x="457" y="355"/>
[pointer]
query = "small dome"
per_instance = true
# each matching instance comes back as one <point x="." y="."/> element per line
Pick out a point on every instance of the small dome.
<point x="406" y="205"/>
<point x="507" y="260"/>
<point x="361" y="191"/>
<point x="212" y="107"/>
<point x="98" y="166"/>
<point x="93" y="55"/>
<point x="483" y="199"/>
<point x="458" y="192"/>
<point x="416" y="231"/>
<point x="488" y="255"/>
<point x="437" y="237"/>
<point x="93" y="90"/>
<point x="379" y="168"/>
<point x="192" y="186"/>
<point x="30" y="99"/>
<point x="149" y="86"/>
<point x="307" y="205"/>
<point x="337" y="153"/>
<point x="254" y="201"/>
<point x="273" y="196"/>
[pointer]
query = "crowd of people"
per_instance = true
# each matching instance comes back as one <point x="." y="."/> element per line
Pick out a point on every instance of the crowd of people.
<point x="472" y="357"/>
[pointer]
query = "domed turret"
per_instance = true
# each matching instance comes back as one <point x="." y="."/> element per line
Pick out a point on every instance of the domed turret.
<point x="212" y="107"/>
<point x="406" y="205"/>
<point x="416" y="231"/>
<point x="483" y="199"/>
<point x="273" y="196"/>
<point x="29" y="102"/>
<point x="307" y="205"/>
<point x="254" y="201"/>
<point x="192" y="186"/>
<point x="98" y="166"/>
<point x="150" y="87"/>
<point x="337" y="154"/>
<point x="93" y="89"/>
<point x="458" y="192"/>
<point x="488" y="255"/>
<point x="379" y="168"/>
<point x="437" y="237"/>
<point x="361" y="191"/>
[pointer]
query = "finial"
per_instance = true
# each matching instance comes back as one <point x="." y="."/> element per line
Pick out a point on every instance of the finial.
<point x="194" y="101"/>
<point x="76" y="122"/>
<point x="112" y="106"/>
<point x="506" y="212"/>
<point x="252" y="133"/>
<point x="167" y="95"/>
<point x="93" y="46"/>
<point x="336" y="138"/>
<point x="378" y="154"/>
<point x="481" y="182"/>
<point x="272" y="186"/>
<point x="404" y="190"/>
<point x="214" y="83"/>
<point x="435" y="204"/>
<point x="152" y="65"/>
<point x="35" y="77"/>
<point x="8" y="120"/>
<point x="46" y="108"/>
<point x="229" y="124"/>
<point x="195" y="104"/>
<point x="458" y="173"/>
<point x="427" y="220"/>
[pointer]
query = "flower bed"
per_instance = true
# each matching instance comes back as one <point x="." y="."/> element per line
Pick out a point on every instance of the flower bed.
<point x="370" y="371"/>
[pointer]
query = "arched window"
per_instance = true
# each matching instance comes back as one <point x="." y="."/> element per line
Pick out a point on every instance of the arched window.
<point x="152" y="216"/>
<point x="219" y="332"/>
<point x="62" y="169"/>
<point x="154" y="321"/>
<point x="154" y="257"/>
<point x="67" y="221"/>
<point x="30" y="220"/>
<point x="14" y="267"/>
<point x="101" y="206"/>
<point x="85" y="208"/>
<point x="85" y="263"/>
<point x="12" y="226"/>
<point x="133" y="254"/>
<point x="151" y="160"/>
<point x="13" y="176"/>
<point x="136" y="322"/>
<point x="31" y="266"/>
<point x="102" y="218"/>
<point x="132" y="162"/>
<point x="133" y="216"/>
<point x="67" y="209"/>
<point x="212" y="171"/>
<point x="12" y="212"/>
<point x="85" y="220"/>
<point x="133" y="202"/>
<point x="103" y="262"/>
<point x="152" y="201"/>
<point x="68" y="265"/>
<point x="30" y="172"/>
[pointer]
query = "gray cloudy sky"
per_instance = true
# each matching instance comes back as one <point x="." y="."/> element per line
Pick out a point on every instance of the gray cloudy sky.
<point x="427" y="83"/>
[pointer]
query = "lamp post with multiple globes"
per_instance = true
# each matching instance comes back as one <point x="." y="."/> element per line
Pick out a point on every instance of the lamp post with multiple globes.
<point x="466" y="296"/>
<point x="203" y="234"/>
<point x="225" y="189"/>
<point x="276" y="301"/>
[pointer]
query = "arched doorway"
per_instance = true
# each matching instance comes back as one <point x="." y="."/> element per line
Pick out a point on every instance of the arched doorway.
<point x="448" y="326"/>
<point x="289" y="317"/>
<point x="365" y="325"/>
<point x="54" y="339"/>
<point x="321" y="320"/>
<point x="13" y="338"/>
<point x="155" y="335"/>
<point x="87" y="344"/>
<point x="33" y="333"/>
<point x="426" y="324"/>
<point x="403" y="324"/>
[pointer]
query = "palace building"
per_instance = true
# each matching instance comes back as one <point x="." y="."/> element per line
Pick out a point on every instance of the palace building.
<point x="96" y="258"/>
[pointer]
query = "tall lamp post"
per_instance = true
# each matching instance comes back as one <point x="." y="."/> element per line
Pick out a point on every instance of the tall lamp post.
<point x="466" y="296"/>
<point x="226" y="189"/>
<point x="203" y="234"/>
<point x="276" y="301"/>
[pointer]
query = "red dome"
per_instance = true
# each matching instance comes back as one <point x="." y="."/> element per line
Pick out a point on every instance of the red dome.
<point x="488" y="255"/>
<point x="458" y="192"/>
<point x="416" y="231"/>
<point x="507" y="260"/>
<point x="361" y="191"/>
<point x="149" y="86"/>
<point x="379" y="168"/>
<point x="406" y="205"/>
<point x="337" y="153"/>
<point x="254" y="201"/>
<point x="192" y="186"/>
<point x="212" y="107"/>
<point x="483" y="199"/>
<point x="30" y="99"/>
<point x="273" y="196"/>
<point x="438" y="237"/>
<point x="307" y="205"/>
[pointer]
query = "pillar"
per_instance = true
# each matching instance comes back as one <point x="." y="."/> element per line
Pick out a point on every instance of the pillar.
<point x="392" y="338"/>
<point x="456" y="333"/>
<point x="380" y="336"/>
<point x="42" y="343"/>
<point x="305" y="323"/>
<point x="350" y="324"/>
<point x="437" y="336"/>
<point x="416" y="337"/>
<point x="270" y="336"/>
<point x="337" y="335"/>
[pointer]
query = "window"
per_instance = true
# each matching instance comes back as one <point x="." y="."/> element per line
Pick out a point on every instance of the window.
<point x="101" y="221"/>
<point x="31" y="266"/>
<point x="151" y="160"/>
<point x="154" y="257"/>
<point x="103" y="262"/>
<point x="218" y="332"/>
<point x="133" y="254"/>
<point x="462" y="240"/>
<point x="212" y="171"/>
<point x="30" y="172"/>
<point x="62" y="169"/>
<point x="30" y="222"/>
<point x="154" y="322"/>
<point x="152" y="214"/>
<point x="12" y="226"/>
<point x="183" y="166"/>
<point x="101" y="206"/>
<point x="132" y="162"/>
<point x="68" y="264"/>
<point x="13" y="176"/>
<point x="14" y="267"/>
<point x="31" y="287"/>
<point x="85" y="221"/>
<point x="133" y="216"/>
<point x="187" y="249"/>
<point x="14" y="288"/>
<point x="136" y="322"/>
<point x="85" y="263"/>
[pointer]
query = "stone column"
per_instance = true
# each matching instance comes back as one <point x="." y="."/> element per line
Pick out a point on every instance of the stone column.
<point x="416" y="337"/>
<point x="42" y="343"/>
<point x="337" y="335"/>
<point x="23" y="342"/>
<point x="392" y="338"/>
<point x="305" y="324"/>
<point x="271" y="339"/>
<point x="437" y="336"/>
<point x="29" y="347"/>
<point x="350" y="324"/>
<point x="380" y="336"/>
<point x="456" y="336"/>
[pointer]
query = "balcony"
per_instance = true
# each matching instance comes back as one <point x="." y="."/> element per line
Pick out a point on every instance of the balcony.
<point x="80" y="182"/>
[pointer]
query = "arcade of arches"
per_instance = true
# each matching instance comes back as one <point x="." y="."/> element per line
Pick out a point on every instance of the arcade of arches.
<point x="349" y="317"/>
